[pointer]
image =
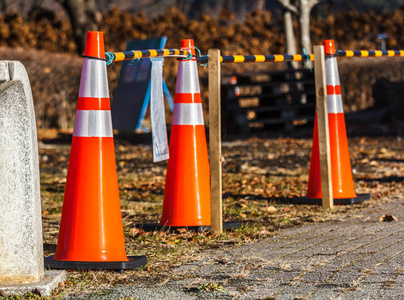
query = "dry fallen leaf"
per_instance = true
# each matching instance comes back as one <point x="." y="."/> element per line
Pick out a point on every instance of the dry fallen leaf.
<point x="271" y="155"/>
<point x="134" y="231"/>
<point x="383" y="150"/>
<point x="286" y="209"/>
<point x="264" y="232"/>
<point x="270" y="209"/>
<point x="387" y="218"/>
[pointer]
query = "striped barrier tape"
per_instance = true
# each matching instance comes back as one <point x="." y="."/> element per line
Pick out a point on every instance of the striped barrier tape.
<point x="367" y="53"/>
<point x="258" y="58"/>
<point x="302" y="57"/>
<point x="138" y="54"/>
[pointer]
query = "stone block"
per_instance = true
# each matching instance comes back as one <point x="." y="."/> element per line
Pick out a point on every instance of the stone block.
<point x="21" y="244"/>
<point x="43" y="287"/>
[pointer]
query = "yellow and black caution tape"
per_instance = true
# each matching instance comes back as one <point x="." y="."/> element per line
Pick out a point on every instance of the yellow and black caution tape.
<point x="138" y="54"/>
<point x="258" y="58"/>
<point x="184" y="54"/>
<point x="302" y="57"/>
<point x="367" y="53"/>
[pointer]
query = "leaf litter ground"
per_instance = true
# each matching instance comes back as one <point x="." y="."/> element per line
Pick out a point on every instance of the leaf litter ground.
<point x="260" y="177"/>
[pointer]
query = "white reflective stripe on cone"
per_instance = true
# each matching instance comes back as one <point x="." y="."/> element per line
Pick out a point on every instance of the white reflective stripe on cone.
<point x="334" y="104"/>
<point x="94" y="81"/>
<point x="93" y="123"/>
<point x="187" y="78"/>
<point x="331" y="71"/>
<point x="188" y="114"/>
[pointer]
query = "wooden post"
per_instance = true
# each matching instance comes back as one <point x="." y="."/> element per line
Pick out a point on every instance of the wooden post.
<point x="322" y="122"/>
<point x="215" y="146"/>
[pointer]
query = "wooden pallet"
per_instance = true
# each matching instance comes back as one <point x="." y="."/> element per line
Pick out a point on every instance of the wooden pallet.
<point x="277" y="100"/>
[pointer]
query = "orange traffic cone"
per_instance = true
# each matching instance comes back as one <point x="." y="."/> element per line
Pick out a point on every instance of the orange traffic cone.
<point x="341" y="173"/>
<point x="91" y="231"/>
<point x="187" y="192"/>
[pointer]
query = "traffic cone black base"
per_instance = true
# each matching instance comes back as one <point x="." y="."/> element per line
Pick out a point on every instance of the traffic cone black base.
<point x="343" y="201"/>
<point x="157" y="227"/>
<point x="133" y="262"/>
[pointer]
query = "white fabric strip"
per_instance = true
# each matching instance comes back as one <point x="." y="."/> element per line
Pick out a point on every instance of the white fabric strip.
<point x="187" y="77"/>
<point x="334" y="103"/>
<point x="94" y="81"/>
<point x="157" y="112"/>
<point x="188" y="114"/>
<point x="93" y="123"/>
<point x="331" y="71"/>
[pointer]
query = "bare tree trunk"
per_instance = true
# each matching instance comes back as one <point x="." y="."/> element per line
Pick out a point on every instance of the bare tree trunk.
<point x="261" y="5"/>
<point x="304" y="20"/>
<point x="83" y="17"/>
<point x="289" y="33"/>
<point x="290" y="41"/>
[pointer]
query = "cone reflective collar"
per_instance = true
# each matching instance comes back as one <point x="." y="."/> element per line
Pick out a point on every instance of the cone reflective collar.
<point x="342" y="181"/>
<point x="187" y="192"/>
<point x="91" y="231"/>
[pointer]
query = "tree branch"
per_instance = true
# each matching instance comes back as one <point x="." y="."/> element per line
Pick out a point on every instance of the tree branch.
<point x="289" y="7"/>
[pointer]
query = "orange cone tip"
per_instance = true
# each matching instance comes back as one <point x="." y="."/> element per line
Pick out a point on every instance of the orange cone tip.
<point x="95" y="44"/>
<point x="329" y="46"/>
<point x="188" y="44"/>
